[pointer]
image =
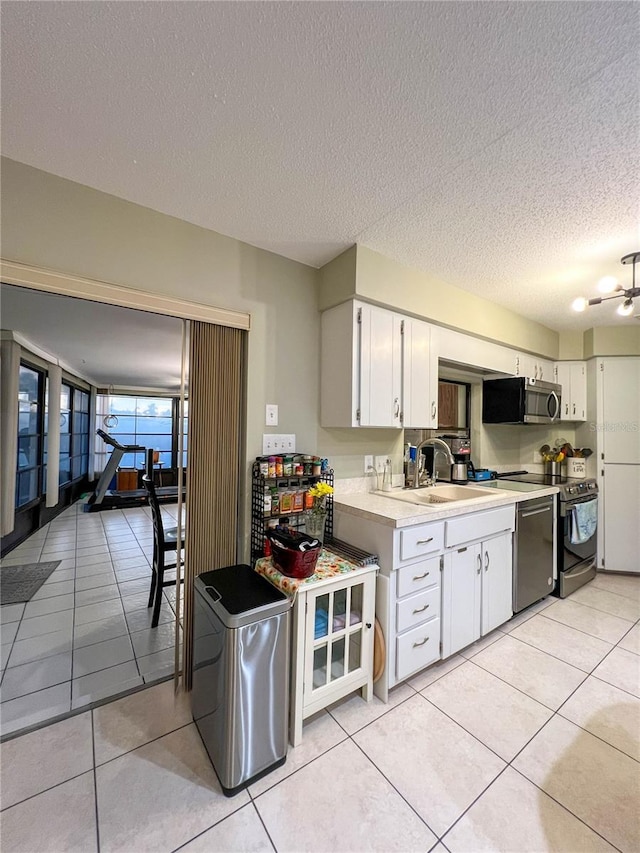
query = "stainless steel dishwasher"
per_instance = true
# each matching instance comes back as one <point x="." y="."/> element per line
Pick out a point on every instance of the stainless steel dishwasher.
<point x="533" y="551"/>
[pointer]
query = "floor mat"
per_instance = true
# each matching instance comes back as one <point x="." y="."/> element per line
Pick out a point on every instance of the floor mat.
<point x="20" y="583"/>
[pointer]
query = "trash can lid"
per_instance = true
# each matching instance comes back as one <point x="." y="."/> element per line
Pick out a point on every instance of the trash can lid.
<point x="240" y="590"/>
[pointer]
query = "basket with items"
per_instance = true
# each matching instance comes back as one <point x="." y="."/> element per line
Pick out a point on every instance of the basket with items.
<point x="293" y="554"/>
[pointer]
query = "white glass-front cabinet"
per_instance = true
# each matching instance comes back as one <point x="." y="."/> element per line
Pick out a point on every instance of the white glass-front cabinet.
<point x="572" y="375"/>
<point x="333" y="643"/>
<point x="378" y="368"/>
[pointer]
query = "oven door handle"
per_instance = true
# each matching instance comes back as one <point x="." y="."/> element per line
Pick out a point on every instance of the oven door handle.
<point x="568" y="507"/>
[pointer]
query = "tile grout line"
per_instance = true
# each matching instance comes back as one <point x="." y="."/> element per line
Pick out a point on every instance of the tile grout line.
<point x="95" y="780"/>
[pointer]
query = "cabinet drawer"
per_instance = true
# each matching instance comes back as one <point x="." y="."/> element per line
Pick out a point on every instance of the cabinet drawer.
<point x="417" y="648"/>
<point x="478" y="525"/>
<point x="417" y="576"/>
<point x="417" y="608"/>
<point x="420" y="540"/>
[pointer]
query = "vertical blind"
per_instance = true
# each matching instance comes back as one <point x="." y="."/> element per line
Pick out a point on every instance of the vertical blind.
<point x="216" y="370"/>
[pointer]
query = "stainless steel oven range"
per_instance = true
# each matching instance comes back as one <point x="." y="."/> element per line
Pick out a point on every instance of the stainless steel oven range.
<point x="577" y="534"/>
<point x="577" y="526"/>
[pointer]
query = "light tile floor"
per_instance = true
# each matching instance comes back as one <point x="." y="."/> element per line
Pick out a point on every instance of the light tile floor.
<point x="529" y="741"/>
<point x="86" y="634"/>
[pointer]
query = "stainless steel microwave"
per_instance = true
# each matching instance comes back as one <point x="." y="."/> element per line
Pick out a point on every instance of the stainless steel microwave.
<point x="520" y="400"/>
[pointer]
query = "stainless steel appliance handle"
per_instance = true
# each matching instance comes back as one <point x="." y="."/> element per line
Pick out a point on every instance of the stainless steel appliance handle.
<point x="553" y="396"/>
<point x="535" y="512"/>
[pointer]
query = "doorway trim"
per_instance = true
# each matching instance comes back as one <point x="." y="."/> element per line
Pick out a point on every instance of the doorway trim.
<point x="65" y="284"/>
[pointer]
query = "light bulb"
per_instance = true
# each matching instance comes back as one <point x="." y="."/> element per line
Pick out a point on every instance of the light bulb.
<point x="607" y="284"/>
<point x="625" y="308"/>
<point x="579" y="304"/>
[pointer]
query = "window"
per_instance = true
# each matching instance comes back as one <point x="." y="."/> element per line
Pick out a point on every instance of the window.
<point x="147" y="422"/>
<point x="30" y="429"/>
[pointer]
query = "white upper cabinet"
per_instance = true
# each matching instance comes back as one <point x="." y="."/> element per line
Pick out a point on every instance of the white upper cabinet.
<point x="380" y="367"/>
<point x="419" y="375"/>
<point x="572" y="375"/>
<point x="376" y="369"/>
<point x="534" y="366"/>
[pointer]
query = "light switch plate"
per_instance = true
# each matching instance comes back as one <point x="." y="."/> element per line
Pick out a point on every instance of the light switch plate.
<point x="271" y="418"/>
<point x="368" y="464"/>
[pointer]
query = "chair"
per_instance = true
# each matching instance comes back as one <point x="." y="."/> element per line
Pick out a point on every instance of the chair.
<point x="165" y="540"/>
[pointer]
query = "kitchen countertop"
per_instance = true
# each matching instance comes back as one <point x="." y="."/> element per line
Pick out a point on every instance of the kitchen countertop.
<point x="395" y="513"/>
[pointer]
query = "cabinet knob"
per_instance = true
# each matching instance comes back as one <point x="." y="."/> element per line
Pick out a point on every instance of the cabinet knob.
<point x="368" y="624"/>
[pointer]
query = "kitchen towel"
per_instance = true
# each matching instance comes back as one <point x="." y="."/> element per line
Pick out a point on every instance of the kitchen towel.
<point x="584" y="521"/>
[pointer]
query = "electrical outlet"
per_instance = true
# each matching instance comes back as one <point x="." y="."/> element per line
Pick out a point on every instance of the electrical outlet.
<point x="271" y="418"/>
<point x="368" y="464"/>
<point x="272" y="443"/>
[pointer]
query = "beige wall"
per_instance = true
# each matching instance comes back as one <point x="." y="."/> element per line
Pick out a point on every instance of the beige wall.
<point x="612" y="340"/>
<point x="50" y="222"/>
<point x="571" y="346"/>
<point x="380" y="279"/>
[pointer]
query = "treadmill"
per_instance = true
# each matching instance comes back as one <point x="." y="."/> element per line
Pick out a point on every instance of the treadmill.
<point x="105" y="498"/>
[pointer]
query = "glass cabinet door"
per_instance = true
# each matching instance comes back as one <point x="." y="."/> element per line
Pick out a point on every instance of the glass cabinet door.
<point x="335" y="621"/>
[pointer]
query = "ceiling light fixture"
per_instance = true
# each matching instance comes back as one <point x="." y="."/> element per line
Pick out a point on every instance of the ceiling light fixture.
<point x="609" y="284"/>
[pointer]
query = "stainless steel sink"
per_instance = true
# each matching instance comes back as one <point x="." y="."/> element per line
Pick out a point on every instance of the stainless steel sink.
<point x="440" y="494"/>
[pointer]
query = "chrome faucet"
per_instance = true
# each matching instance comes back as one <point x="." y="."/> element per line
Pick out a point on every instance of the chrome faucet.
<point x="439" y="446"/>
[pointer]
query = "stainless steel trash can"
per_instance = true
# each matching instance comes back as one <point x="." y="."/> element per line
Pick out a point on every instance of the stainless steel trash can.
<point x="240" y="694"/>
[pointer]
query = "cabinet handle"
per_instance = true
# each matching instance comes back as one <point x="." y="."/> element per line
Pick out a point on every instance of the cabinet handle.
<point x="574" y="408"/>
<point x="421" y="643"/>
<point x="424" y="542"/>
<point x="479" y="564"/>
<point x="421" y="609"/>
<point x="421" y="577"/>
<point x="396" y="404"/>
<point x="433" y="409"/>
<point x="566" y="409"/>
<point x="368" y="624"/>
<point x="486" y="561"/>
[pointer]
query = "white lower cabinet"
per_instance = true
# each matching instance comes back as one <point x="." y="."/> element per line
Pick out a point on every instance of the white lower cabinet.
<point x="441" y="586"/>
<point x="476" y="591"/>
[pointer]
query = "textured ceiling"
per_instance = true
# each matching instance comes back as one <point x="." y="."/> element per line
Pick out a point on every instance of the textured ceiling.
<point x="492" y="144"/>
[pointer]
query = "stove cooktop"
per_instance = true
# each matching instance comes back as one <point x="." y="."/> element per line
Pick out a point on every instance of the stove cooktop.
<point x="570" y="488"/>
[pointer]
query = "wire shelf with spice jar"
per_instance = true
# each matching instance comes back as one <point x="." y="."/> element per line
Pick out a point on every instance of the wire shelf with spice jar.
<point x="289" y="491"/>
